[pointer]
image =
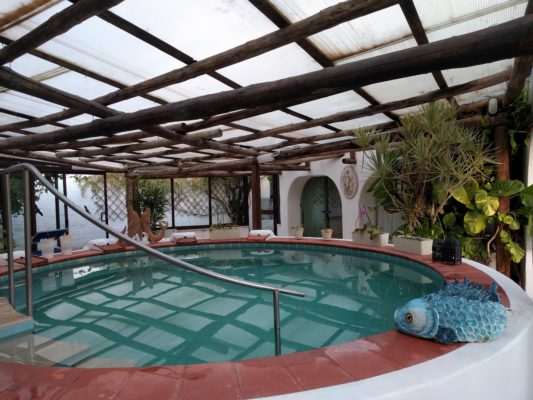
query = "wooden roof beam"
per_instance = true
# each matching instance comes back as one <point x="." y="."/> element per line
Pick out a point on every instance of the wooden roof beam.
<point x="510" y="39"/>
<point x="54" y="26"/>
<point x="413" y="19"/>
<point x="477" y="84"/>
<point x="325" y="19"/>
<point x="277" y="18"/>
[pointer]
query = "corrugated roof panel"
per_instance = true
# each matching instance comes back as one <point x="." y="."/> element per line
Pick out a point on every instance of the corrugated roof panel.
<point x="133" y="104"/>
<point x="29" y="65"/>
<point x="462" y="75"/>
<point x="79" y="119"/>
<point x="350" y="37"/>
<point x="402" y="88"/>
<point x="268" y="141"/>
<point x="191" y="88"/>
<point x="361" y="122"/>
<point x="99" y="47"/>
<point x="346" y="101"/>
<point x="483" y="94"/>
<point x="439" y="14"/>
<point x="200" y="28"/>
<point x="269" y="120"/>
<point x="385" y="49"/>
<point x="280" y="63"/>
<point x="42" y="129"/>
<point x="471" y="22"/>
<point x="22" y="103"/>
<point x="80" y="85"/>
<point x="8" y="118"/>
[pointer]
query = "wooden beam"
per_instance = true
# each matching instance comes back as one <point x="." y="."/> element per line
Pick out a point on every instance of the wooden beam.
<point x="510" y="39"/>
<point x="20" y="83"/>
<point x="151" y="144"/>
<point x="316" y="54"/>
<point x="325" y="19"/>
<point x="419" y="33"/>
<point x="377" y="109"/>
<point x="256" y="197"/>
<point x="521" y="70"/>
<point x="80" y="70"/>
<point x="54" y="26"/>
<point x="43" y="157"/>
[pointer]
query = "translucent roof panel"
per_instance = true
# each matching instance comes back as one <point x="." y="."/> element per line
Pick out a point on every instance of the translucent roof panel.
<point x="362" y="122"/>
<point x="346" y="101"/>
<point x="306" y="133"/>
<point x="269" y="120"/>
<point x="399" y="45"/>
<point x="80" y="85"/>
<point x="466" y="16"/>
<point x="404" y="88"/>
<point x="29" y="65"/>
<point x="352" y="37"/>
<point x="463" y="75"/>
<point x="20" y="102"/>
<point x="483" y="94"/>
<point x="89" y="44"/>
<point x="200" y="28"/>
<point x="280" y="63"/>
<point x="133" y="104"/>
<point x="193" y="87"/>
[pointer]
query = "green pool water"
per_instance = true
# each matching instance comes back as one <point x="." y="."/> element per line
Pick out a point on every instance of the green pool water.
<point x="133" y="310"/>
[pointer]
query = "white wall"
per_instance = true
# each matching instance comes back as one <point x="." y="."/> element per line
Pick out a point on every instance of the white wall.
<point x="528" y="259"/>
<point x="293" y="182"/>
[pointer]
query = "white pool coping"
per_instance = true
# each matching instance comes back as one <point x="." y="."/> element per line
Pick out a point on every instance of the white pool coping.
<point x="497" y="370"/>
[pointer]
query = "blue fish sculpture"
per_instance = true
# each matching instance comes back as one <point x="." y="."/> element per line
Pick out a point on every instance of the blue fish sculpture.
<point x="459" y="312"/>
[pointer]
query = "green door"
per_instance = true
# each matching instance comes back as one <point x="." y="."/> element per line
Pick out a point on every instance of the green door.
<point x="321" y="207"/>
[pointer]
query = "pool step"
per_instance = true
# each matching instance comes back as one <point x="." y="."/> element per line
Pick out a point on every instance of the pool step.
<point x="36" y="349"/>
<point x="12" y="322"/>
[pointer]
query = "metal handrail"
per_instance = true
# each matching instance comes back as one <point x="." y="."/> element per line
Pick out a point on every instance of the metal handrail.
<point x="25" y="168"/>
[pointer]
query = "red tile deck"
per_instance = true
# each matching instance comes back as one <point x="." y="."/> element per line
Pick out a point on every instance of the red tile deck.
<point x="360" y="359"/>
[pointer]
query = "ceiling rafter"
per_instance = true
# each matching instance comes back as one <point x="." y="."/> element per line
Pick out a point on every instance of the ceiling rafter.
<point x="499" y="42"/>
<point x="271" y="13"/>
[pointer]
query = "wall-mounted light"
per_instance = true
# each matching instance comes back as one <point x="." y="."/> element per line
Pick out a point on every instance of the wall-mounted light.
<point x="492" y="107"/>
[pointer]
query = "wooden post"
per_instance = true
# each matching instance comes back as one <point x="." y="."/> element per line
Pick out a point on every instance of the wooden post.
<point x="132" y="193"/>
<point x="256" y="197"/>
<point x="503" y="260"/>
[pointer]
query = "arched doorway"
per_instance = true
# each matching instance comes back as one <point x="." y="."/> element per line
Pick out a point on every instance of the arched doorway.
<point x="321" y="207"/>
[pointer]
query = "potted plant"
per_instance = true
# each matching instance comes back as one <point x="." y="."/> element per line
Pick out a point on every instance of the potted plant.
<point x="413" y="244"/>
<point x="224" y="231"/>
<point x="367" y="233"/>
<point x="298" y="231"/>
<point x="326" y="233"/>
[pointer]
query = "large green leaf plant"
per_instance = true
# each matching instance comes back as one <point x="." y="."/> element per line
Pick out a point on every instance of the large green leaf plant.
<point x="482" y="223"/>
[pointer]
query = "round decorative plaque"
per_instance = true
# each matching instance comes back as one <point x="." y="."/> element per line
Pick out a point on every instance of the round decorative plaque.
<point x="349" y="181"/>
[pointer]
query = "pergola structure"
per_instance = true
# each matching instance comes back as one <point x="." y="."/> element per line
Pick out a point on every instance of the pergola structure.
<point x="198" y="88"/>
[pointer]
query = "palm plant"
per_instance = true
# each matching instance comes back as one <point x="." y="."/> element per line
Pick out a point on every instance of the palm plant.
<point x="417" y="176"/>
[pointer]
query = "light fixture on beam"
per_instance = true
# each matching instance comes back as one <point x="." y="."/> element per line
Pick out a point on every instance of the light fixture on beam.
<point x="492" y="106"/>
<point x="265" y="158"/>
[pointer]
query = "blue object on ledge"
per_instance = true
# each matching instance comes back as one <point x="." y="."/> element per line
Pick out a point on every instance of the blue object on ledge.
<point x="51" y="234"/>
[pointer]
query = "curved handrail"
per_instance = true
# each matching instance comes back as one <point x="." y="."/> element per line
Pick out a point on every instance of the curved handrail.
<point x="140" y="246"/>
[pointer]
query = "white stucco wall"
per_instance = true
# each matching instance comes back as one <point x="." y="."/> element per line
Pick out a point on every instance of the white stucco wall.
<point x="528" y="261"/>
<point x="293" y="182"/>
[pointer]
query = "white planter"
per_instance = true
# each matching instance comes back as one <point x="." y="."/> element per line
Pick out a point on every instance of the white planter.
<point x="66" y="244"/>
<point x="364" y="239"/>
<point x="413" y="245"/>
<point x="298" y="232"/>
<point x="326" y="234"/>
<point x="233" y="232"/>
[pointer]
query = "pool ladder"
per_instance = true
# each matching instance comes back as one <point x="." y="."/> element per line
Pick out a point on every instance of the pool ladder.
<point x="26" y="169"/>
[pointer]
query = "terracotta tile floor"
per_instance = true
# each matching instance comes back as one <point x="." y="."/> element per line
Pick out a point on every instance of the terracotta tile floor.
<point x="269" y="376"/>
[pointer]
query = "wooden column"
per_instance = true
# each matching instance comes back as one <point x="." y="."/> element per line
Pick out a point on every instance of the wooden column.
<point x="132" y="192"/>
<point x="501" y="140"/>
<point x="256" y="197"/>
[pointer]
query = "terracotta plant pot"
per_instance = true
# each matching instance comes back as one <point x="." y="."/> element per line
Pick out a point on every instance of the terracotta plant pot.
<point x="326" y="233"/>
<point x="298" y="232"/>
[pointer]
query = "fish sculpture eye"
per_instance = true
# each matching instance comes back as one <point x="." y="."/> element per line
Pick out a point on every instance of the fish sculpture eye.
<point x="409" y="317"/>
